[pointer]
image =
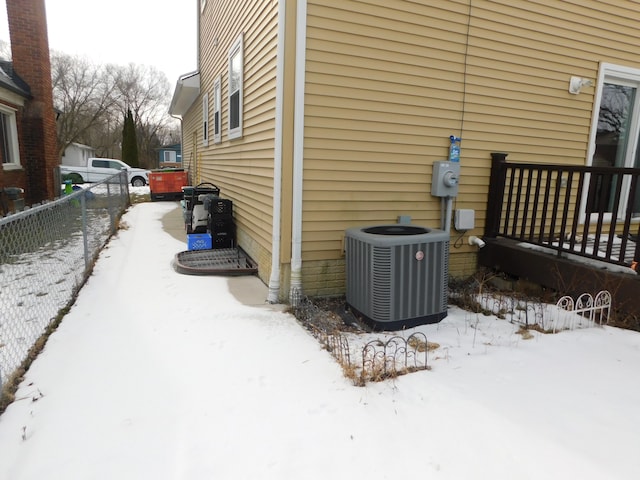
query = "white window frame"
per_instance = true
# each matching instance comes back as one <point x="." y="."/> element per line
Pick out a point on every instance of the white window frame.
<point x="205" y="120"/>
<point x="13" y="147"/>
<point x="236" y="52"/>
<point x="169" y="156"/>
<point x="217" y="110"/>
<point x="608" y="73"/>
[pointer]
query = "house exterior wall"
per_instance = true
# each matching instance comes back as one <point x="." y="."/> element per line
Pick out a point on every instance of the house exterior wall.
<point x="77" y="154"/>
<point x="242" y="168"/>
<point x="387" y="83"/>
<point x="383" y="95"/>
<point x="177" y="156"/>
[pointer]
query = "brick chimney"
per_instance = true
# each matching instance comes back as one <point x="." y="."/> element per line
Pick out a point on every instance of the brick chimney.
<point x="30" y="56"/>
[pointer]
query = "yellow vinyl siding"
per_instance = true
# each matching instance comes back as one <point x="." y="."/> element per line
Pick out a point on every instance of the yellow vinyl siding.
<point x="382" y="97"/>
<point x="191" y="125"/>
<point x="591" y="21"/>
<point x="243" y="168"/>
<point x="388" y="81"/>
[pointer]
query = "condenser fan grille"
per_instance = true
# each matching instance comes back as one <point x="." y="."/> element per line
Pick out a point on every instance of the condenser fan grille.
<point x="381" y="287"/>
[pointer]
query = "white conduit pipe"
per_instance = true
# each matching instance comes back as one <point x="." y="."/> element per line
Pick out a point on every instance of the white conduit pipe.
<point x="274" y="279"/>
<point x="446" y="207"/>
<point x="295" y="290"/>
<point x="447" y="215"/>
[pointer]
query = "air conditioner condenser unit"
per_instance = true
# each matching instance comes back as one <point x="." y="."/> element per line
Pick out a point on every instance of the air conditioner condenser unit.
<point x="397" y="275"/>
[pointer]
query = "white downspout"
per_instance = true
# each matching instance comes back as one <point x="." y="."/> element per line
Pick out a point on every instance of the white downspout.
<point x="274" y="279"/>
<point x="295" y="291"/>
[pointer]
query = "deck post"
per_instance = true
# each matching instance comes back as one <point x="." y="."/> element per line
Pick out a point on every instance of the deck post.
<point x="497" y="181"/>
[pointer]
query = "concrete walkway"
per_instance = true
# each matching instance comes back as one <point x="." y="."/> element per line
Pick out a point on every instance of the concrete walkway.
<point x="247" y="289"/>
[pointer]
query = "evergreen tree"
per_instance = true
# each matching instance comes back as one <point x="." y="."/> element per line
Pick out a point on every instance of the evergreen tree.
<point x="129" y="141"/>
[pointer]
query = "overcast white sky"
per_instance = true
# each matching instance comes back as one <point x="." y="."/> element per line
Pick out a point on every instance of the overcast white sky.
<point x="160" y="33"/>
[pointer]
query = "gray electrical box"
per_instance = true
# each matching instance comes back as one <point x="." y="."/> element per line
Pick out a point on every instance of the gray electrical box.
<point x="464" y="219"/>
<point x="444" y="182"/>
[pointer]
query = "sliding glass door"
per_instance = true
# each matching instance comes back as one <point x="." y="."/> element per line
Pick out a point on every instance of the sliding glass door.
<point x="616" y="139"/>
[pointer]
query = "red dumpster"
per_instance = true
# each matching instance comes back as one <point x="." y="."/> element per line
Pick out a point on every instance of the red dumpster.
<point x="166" y="184"/>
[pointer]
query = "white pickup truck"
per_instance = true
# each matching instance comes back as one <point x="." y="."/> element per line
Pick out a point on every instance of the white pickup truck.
<point x="97" y="169"/>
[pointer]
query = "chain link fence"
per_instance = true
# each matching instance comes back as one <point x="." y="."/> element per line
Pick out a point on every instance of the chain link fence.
<point x="46" y="254"/>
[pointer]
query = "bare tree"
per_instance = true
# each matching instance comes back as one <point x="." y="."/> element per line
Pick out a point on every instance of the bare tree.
<point x="614" y="108"/>
<point x="169" y="133"/>
<point x="85" y="96"/>
<point x="146" y="92"/>
<point x="91" y="101"/>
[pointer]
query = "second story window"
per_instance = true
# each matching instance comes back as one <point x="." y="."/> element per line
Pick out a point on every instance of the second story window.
<point x="236" y="61"/>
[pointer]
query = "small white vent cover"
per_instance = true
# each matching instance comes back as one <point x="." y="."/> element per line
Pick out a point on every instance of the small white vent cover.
<point x="397" y="275"/>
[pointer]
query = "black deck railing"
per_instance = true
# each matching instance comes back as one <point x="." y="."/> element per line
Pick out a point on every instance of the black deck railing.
<point x="593" y="212"/>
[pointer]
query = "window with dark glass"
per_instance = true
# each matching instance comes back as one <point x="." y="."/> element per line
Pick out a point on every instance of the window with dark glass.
<point x="235" y="89"/>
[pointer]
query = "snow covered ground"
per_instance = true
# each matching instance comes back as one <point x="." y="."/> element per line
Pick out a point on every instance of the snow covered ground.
<point x="157" y="375"/>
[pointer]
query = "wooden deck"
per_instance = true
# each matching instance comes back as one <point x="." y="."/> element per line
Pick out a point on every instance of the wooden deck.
<point x="615" y="248"/>
<point x="570" y="228"/>
<point x="563" y="274"/>
<point x="541" y="204"/>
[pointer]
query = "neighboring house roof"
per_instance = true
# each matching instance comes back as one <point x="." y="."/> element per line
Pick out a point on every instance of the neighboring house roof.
<point x="11" y="81"/>
<point x="81" y="146"/>
<point x="186" y="92"/>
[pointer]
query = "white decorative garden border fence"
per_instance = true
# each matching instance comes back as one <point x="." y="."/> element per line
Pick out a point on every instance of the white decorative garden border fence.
<point x="591" y="310"/>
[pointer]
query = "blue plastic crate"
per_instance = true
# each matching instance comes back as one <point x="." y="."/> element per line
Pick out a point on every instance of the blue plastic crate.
<point x="199" y="241"/>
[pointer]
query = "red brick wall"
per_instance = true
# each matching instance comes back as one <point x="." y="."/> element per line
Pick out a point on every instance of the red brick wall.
<point x="30" y="52"/>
